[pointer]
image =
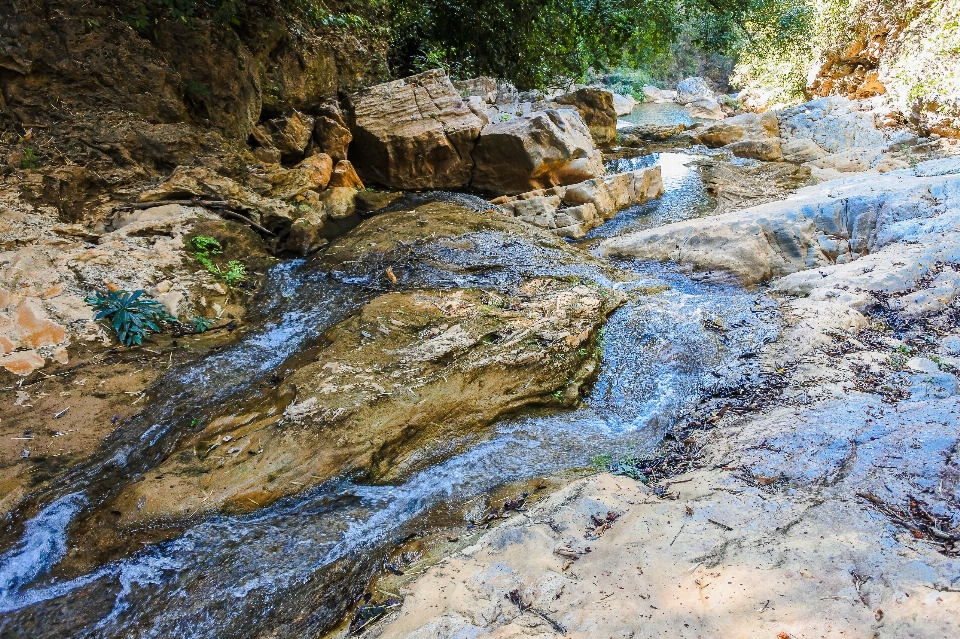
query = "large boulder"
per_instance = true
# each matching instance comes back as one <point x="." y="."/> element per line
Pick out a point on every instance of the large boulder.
<point x="331" y="132"/>
<point x="748" y="135"/>
<point x="595" y="106"/>
<point x="415" y="133"/>
<point x="623" y="104"/>
<point x="313" y="174"/>
<point x="693" y="89"/>
<point x="706" y="109"/>
<point x="549" y="148"/>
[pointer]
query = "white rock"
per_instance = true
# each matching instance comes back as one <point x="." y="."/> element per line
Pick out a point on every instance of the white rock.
<point x="692" y="90"/>
<point x="623" y="104"/>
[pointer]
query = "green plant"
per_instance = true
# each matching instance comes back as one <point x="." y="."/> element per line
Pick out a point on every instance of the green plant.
<point x="235" y="272"/>
<point x="29" y="159"/>
<point x="203" y="247"/>
<point x="131" y="316"/>
<point x="200" y="324"/>
<point x="601" y="462"/>
<point x="911" y="160"/>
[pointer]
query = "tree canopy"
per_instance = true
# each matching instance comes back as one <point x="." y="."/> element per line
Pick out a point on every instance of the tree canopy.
<point x="532" y="43"/>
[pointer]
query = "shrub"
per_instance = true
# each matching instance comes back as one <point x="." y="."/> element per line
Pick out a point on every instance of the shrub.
<point x="131" y="316"/>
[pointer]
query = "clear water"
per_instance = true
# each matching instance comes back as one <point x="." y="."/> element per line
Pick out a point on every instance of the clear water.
<point x="291" y="569"/>
<point x="665" y="114"/>
<point x="684" y="197"/>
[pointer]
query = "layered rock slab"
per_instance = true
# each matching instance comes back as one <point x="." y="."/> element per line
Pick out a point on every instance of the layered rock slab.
<point x="726" y="554"/>
<point x="571" y="211"/>
<point x="830" y="223"/>
<point x="414" y="133"/>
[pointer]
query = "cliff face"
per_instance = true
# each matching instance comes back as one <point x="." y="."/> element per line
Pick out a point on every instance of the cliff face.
<point x="909" y="50"/>
<point x="162" y="94"/>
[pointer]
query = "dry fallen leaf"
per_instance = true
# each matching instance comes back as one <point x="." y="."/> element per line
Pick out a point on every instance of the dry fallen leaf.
<point x="391" y="276"/>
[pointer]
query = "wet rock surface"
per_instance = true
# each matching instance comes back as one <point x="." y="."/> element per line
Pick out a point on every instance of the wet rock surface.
<point x="440" y="349"/>
<point x="574" y="210"/>
<point x="821" y="497"/>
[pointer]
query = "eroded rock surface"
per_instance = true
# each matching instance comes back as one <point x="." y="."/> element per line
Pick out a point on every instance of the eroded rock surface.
<point x="904" y="212"/>
<point x="409" y="370"/>
<point x="748" y="136"/>
<point x="549" y="148"/>
<point x="415" y="133"/>
<point x="596" y="107"/>
<point x="571" y="211"/>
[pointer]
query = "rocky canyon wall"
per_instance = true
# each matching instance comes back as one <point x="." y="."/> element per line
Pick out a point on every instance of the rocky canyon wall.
<point x="907" y="49"/>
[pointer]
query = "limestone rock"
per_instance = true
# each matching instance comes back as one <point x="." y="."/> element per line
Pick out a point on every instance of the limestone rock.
<point x="623" y="104"/>
<point x="596" y="108"/>
<point x="692" y="90"/>
<point x="267" y="154"/>
<point x="334" y="418"/>
<point x="313" y="174"/>
<point x="549" y="148"/>
<point x="483" y="87"/>
<point x="766" y="150"/>
<point x="748" y="126"/>
<point x="338" y="201"/>
<point x="306" y="234"/>
<point x="706" y="109"/>
<point x="289" y="135"/>
<point x="824" y="228"/>
<point x="801" y="150"/>
<point x="739" y="185"/>
<point x="637" y="135"/>
<point x="202" y="183"/>
<point x="331" y="132"/>
<point x="415" y="133"/>
<point x="573" y="210"/>
<point x="657" y="95"/>
<point x="837" y="136"/>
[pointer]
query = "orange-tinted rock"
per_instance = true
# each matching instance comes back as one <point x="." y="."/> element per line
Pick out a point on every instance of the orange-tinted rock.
<point x="345" y="176"/>
<point x="22" y="362"/>
<point x="36" y="330"/>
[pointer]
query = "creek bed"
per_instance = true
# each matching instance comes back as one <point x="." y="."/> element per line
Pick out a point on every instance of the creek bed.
<point x="292" y="569"/>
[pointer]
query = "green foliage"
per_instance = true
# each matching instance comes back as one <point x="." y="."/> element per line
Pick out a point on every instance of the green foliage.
<point x="204" y="247"/>
<point x="533" y="43"/>
<point x="29" y="159"/>
<point x="601" y="462"/>
<point x="131" y="316"/>
<point x="234" y="273"/>
<point x="623" y="81"/>
<point x="200" y="324"/>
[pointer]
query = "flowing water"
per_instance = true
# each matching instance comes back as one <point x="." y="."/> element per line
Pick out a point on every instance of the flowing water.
<point x="291" y="569"/>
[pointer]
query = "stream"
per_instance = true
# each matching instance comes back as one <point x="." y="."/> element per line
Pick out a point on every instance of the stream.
<point x="293" y="569"/>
